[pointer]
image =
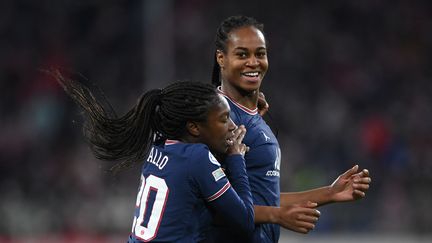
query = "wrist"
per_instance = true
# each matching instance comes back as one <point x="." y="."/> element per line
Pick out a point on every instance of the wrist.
<point x="275" y="215"/>
<point x="329" y="193"/>
<point x="266" y="214"/>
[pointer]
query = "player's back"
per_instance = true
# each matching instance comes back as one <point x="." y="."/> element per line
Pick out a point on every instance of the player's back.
<point x="171" y="196"/>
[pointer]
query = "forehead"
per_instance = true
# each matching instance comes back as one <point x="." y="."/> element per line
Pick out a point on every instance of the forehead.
<point x="220" y="108"/>
<point x="247" y="36"/>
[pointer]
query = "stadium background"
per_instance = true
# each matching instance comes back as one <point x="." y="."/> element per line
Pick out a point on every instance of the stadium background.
<point x="349" y="82"/>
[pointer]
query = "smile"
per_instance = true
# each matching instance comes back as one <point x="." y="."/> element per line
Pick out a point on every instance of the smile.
<point x="251" y="74"/>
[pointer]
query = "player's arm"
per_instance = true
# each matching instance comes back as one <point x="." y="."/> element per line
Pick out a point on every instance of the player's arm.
<point x="349" y="186"/>
<point x="296" y="217"/>
<point x="233" y="202"/>
<point x="235" y="206"/>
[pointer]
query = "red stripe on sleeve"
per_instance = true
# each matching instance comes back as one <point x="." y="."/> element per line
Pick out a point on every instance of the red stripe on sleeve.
<point x="219" y="193"/>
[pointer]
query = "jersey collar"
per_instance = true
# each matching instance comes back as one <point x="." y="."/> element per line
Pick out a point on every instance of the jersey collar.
<point x="170" y="142"/>
<point x="240" y="106"/>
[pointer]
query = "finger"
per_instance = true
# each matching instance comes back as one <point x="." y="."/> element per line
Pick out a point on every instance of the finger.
<point x="359" y="194"/>
<point x="299" y="229"/>
<point x="263" y="111"/>
<point x="243" y="148"/>
<point x="364" y="180"/>
<point x="363" y="173"/>
<point x="350" y="172"/>
<point x="309" y="211"/>
<point x="237" y="132"/>
<point x="240" y="137"/>
<point x="310" y="219"/>
<point x="306" y="225"/>
<point x="361" y="187"/>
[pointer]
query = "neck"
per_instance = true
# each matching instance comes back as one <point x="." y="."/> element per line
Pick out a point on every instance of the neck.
<point x="246" y="98"/>
<point x="189" y="139"/>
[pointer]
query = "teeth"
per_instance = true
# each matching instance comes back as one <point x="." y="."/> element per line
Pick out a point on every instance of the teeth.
<point x="251" y="74"/>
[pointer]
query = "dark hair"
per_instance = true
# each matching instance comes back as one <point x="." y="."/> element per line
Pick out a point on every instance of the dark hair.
<point x="222" y="32"/>
<point x="159" y="114"/>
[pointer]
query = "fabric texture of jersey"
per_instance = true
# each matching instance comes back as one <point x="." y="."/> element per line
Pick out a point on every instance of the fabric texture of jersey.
<point x="178" y="181"/>
<point x="263" y="169"/>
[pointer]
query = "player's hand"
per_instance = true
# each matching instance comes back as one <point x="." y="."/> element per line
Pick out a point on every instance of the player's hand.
<point x="237" y="146"/>
<point x="300" y="218"/>
<point x="262" y="105"/>
<point x="351" y="185"/>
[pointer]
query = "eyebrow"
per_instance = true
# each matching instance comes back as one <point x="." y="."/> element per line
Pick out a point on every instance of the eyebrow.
<point x="246" y="49"/>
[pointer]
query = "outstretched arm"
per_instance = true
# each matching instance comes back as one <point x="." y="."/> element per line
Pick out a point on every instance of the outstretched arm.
<point x="349" y="186"/>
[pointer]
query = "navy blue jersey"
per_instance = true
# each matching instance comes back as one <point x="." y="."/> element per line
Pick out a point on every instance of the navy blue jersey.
<point x="263" y="168"/>
<point x="179" y="181"/>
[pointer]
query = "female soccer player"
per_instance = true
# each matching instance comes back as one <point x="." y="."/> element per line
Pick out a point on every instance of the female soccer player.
<point x="174" y="131"/>
<point x="240" y="66"/>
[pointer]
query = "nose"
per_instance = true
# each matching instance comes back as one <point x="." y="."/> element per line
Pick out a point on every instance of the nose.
<point x="231" y="126"/>
<point x="252" y="61"/>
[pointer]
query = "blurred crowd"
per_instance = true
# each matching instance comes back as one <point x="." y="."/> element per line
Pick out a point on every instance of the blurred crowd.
<point x="349" y="83"/>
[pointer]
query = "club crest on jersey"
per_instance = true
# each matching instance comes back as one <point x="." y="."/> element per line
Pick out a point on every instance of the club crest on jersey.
<point x="213" y="159"/>
<point x="218" y="174"/>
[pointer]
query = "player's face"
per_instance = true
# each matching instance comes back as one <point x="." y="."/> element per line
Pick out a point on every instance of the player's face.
<point x="218" y="129"/>
<point x="245" y="62"/>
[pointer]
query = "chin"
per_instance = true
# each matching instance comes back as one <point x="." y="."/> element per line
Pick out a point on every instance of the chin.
<point x="251" y="86"/>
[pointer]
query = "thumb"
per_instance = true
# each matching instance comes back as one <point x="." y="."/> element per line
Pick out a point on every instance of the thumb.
<point x="350" y="172"/>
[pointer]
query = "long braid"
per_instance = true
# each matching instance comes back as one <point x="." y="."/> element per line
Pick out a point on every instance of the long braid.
<point x="158" y="115"/>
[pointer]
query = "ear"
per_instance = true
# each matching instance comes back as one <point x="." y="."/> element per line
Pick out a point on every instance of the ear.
<point x="193" y="128"/>
<point x="220" y="58"/>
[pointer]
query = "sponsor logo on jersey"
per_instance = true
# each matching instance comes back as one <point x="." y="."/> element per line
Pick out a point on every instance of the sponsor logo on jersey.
<point x="273" y="173"/>
<point x="218" y="174"/>
<point x="267" y="138"/>
<point x="277" y="162"/>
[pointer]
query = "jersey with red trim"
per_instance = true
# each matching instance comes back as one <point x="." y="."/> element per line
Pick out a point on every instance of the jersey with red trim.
<point x="263" y="169"/>
<point x="180" y="181"/>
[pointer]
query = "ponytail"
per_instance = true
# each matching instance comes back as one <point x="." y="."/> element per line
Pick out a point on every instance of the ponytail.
<point x="216" y="74"/>
<point x="127" y="138"/>
<point x="157" y="116"/>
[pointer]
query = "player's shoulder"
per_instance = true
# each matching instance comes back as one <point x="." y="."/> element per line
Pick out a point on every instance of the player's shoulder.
<point x="195" y="148"/>
<point x="200" y="154"/>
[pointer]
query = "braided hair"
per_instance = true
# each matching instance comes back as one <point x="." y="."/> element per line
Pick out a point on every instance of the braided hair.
<point x="222" y="34"/>
<point x="158" y="115"/>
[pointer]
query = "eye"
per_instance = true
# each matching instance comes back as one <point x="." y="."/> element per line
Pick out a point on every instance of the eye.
<point x="225" y="118"/>
<point x="241" y="55"/>
<point x="261" y="54"/>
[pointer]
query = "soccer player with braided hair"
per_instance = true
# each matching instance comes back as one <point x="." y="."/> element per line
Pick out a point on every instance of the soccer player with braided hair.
<point x="240" y="64"/>
<point x="175" y="132"/>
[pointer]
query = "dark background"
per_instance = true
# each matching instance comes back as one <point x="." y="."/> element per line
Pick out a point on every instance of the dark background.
<point x="349" y="83"/>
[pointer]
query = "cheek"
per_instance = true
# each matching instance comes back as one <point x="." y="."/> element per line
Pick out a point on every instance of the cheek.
<point x="264" y="65"/>
<point x="221" y="131"/>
